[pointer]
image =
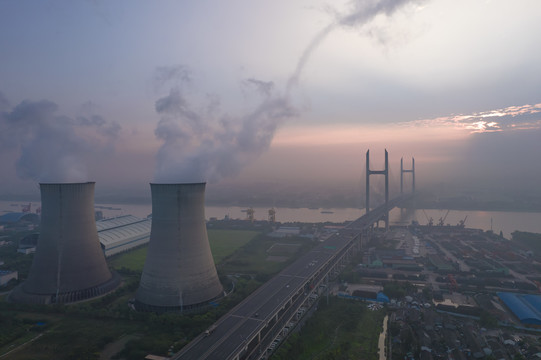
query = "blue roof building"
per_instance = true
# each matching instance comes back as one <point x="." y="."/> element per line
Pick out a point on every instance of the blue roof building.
<point x="526" y="307"/>
<point x="15" y="217"/>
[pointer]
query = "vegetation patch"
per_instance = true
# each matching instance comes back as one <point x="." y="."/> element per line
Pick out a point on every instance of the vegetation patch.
<point x="14" y="260"/>
<point x="277" y="258"/>
<point x="223" y="243"/>
<point x="133" y="260"/>
<point x="283" y="249"/>
<point x="85" y="330"/>
<point x="251" y="258"/>
<point x="528" y="240"/>
<point x="343" y="329"/>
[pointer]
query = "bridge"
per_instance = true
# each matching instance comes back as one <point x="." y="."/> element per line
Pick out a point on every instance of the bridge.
<point x="278" y="306"/>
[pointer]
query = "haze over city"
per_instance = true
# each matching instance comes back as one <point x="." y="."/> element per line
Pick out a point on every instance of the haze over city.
<point x="268" y="94"/>
<point x="193" y="180"/>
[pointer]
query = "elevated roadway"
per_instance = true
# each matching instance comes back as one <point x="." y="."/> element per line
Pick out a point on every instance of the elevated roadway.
<point x="250" y="328"/>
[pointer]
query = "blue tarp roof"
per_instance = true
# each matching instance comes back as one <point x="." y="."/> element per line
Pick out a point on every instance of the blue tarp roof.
<point x="17" y="216"/>
<point x="526" y="307"/>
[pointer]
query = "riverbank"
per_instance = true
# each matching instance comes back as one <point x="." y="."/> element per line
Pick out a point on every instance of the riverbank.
<point x="504" y="221"/>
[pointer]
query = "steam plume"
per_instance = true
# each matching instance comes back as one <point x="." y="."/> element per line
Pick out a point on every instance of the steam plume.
<point x="362" y="11"/>
<point x="200" y="146"/>
<point x="52" y="147"/>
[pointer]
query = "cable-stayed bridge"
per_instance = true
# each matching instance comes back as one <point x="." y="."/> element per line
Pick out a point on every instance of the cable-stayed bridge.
<point x="274" y="309"/>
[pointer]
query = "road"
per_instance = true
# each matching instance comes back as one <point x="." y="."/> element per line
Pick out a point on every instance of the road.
<point x="249" y="328"/>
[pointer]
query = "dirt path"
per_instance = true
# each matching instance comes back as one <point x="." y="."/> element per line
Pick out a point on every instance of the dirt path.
<point x="115" y="347"/>
<point x="22" y="345"/>
<point x="382" y="337"/>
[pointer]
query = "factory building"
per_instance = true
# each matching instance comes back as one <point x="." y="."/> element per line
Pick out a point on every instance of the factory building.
<point x="19" y="220"/>
<point x="285" y="231"/>
<point x="122" y="233"/>
<point x="6" y="276"/>
<point x="116" y="235"/>
<point x="19" y="217"/>
<point x="526" y="307"/>
<point x="179" y="272"/>
<point x="69" y="264"/>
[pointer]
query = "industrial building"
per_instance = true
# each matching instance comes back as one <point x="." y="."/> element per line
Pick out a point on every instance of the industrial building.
<point x="526" y="307"/>
<point x="284" y="231"/>
<point x="69" y="264"/>
<point x="179" y="272"/>
<point x="18" y="217"/>
<point x="116" y="235"/>
<point x="7" y="275"/>
<point x="22" y="220"/>
<point x="122" y="233"/>
<point x="28" y="244"/>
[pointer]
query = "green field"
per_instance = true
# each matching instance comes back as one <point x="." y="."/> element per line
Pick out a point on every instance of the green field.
<point x="62" y="340"/>
<point x="253" y="258"/>
<point x="83" y="330"/>
<point x="344" y="329"/>
<point x="223" y="243"/>
<point x="133" y="259"/>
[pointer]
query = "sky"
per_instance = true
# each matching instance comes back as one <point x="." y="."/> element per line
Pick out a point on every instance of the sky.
<point x="273" y="92"/>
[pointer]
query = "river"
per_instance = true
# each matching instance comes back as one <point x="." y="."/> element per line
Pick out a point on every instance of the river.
<point x="504" y="221"/>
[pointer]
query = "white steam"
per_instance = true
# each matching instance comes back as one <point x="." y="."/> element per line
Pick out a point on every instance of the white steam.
<point x="52" y="147"/>
<point x="201" y="145"/>
<point x="361" y="13"/>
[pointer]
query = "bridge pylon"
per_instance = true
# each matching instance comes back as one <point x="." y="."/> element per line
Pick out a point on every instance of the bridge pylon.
<point x="404" y="171"/>
<point x="378" y="172"/>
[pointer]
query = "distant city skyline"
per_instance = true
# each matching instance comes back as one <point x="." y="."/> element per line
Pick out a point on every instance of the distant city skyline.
<point x="126" y="93"/>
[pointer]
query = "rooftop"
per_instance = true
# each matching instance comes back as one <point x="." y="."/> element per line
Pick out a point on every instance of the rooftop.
<point x="527" y="308"/>
<point x="113" y="230"/>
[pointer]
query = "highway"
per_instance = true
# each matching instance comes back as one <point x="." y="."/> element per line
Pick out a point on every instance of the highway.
<point x="248" y="329"/>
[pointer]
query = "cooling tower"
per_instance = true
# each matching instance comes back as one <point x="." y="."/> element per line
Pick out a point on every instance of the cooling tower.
<point x="69" y="264"/>
<point x="179" y="272"/>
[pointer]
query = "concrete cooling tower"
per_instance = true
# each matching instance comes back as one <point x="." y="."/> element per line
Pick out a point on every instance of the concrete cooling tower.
<point x="179" y="272"/>
<point x="69" y="264"/>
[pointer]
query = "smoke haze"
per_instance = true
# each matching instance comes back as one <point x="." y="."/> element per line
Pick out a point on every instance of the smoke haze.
<point x="285" y="95"/>
<point x="361" y="13"/>
<point x="51" y="147"/>
<point x="199" y="142"/>
<point x="200" y="146"/>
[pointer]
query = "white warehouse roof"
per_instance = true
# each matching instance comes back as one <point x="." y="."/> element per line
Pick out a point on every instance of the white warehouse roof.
<point x="122" y="233"/>
<point x="109" y="223"/>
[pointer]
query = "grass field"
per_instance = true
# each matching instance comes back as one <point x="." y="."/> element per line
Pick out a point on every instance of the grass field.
<point x="225" y="242"/>
<point x="222" y="244"/>
<point x="83" y="330"/>
<point x="344" y="329"/>
<point x="133" y="260"/>
<point x="253" y="258"/>
<point x="63" y="340"/>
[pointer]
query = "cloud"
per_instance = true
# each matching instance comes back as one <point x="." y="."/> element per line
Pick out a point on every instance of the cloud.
<point x="53" y="147"/>
<point x="4" y="103"/>
<point x="198" y="146"/>
<point x="264" y="88"/>
<point x="202" y="144"/>
<point x="360" y="13"/>
<point x="179" y="75"/>
<point x="505" y="159"/>
<point x="522" y="117"/>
